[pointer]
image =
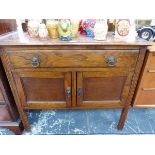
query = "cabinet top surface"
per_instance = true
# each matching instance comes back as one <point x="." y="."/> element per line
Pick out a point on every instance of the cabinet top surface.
<point x="14" y="39"/>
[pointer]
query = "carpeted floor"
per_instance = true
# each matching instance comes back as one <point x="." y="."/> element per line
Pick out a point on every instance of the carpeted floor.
<point x="86" y="122"/>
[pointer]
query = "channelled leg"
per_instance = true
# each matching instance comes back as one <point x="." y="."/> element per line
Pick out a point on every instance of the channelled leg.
<point x="16" y="129"/>
<point x="24" y="119"/>
<point x="123" y="118"/>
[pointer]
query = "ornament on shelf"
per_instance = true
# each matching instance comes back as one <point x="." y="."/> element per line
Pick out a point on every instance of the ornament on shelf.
<point x="100" y="29"/>
<point x="21" y="35"/>
<point x="122" y="28"/>
<point x="74" y="27"/>
<point x="43" y="33"/>
<point x="33" y="28"/>
<point x="133" y="33"/>
<point x="52" y="27"/>
<point x="82" y="28"/>
<point x="64" y="30"/>
<point x="89" y="27"/>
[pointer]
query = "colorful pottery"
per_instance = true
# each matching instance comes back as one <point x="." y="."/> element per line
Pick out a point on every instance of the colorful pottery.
<point x="43" y="33"/>
<point x="74" y="27"/>
<point x="89" y="27"/>
<point x="52" y="27"/>
<point x="33" y="28"/>
<point x="100" y="29"/>
<point x="82" y="27"/>
<point x="64" y="30"/>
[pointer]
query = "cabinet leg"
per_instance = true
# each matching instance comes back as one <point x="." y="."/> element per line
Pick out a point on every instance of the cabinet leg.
<point x="122" y="118"/>
<point x="16" y="129"/>
<point x="24" y="120"/>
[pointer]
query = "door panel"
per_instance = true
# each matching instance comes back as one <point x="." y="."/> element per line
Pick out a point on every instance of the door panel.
<point x="44" y="89"/>
<point x="47" y="87"/>
<point x="103" y="89"/>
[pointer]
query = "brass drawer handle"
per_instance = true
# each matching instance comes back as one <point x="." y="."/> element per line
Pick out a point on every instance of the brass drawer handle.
<point x="69" y="92"/>
<point x="148" y="89"/>
<point x="79" y="92"/>
<point x="111" y="60"/>
<point x="35" y="61"/>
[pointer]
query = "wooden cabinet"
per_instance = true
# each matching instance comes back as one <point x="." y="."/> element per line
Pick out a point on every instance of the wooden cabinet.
<point x="9" y="117"/>
<point x="80" y="74"/>
<point x="145" y="94"/>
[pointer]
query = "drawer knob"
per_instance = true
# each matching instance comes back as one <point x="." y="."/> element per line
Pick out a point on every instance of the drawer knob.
<point x="111" y="60"/>
<point x="35" y="61"/>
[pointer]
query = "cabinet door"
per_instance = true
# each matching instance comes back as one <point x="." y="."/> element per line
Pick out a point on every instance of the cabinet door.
<point x="108" y="88"/>
<point x="44" y="90"/>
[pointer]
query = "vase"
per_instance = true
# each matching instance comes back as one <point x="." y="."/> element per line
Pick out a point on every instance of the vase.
<point x="100" y="29"/>
<point x="33" y="28"/>
<point x="52" y="27"/>
<point x="74" y="27"/>
<point x="64" y="30"/>
<point x="89" y="27"/>
<point x="43" y="33"/>
<point x="82" y="27"/>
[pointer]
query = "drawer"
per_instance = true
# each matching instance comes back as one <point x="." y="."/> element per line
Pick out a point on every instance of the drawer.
<point x="73" y="58"/>
<point x="148" y="80"/>
<point x="4" y="113"/>
<point x="146" y="97"/>
<point x="151" y="61"/>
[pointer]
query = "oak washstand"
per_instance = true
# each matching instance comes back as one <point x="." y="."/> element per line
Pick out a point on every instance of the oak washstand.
<point x="78" y="74"/>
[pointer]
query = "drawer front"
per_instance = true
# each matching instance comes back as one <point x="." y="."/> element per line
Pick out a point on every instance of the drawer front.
<point x="151" y="61"/>
<point x="146" y="97"/>
<point x="148" y="80"/>
<point x="73" y="58"/>
<point x="4" y="114"/>
<point x="146" y="92"/>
